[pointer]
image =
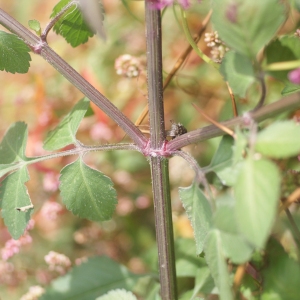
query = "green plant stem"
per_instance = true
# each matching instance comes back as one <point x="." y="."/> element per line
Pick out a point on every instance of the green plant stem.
<point x="159" y="165"/>
<point x="294" y="226"/>
<point x="193" y="43"/>
<point x="40" y="47"/>
<point x="285" y="104"/>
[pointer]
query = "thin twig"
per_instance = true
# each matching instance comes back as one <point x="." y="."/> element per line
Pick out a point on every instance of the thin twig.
<point x="263" y="93"/>
<point x="233" y="103"/>
<point x="294" y="226"/>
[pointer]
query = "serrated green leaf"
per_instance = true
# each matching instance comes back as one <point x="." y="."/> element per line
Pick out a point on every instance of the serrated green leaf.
<point x="86" y="192"/>
<point x="90" y="280"/>
<point x="257" y="194"/>
<point x="237" y="70"/>
<point x="14" y="54"/>
<point x="71" y="25"/>
<point x="247" y="25"/>
<point x="279" y="140"/>
<point x="217" y="264"/>
<point x="198" y="211"/>
<point x="14" y="195"/>
<point x="13" y="144"/>
<point x="65" y="133"/>
<point x="35" y="26"/>
<point x="119" y="294"/>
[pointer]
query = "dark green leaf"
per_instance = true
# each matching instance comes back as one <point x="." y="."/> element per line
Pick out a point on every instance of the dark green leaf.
<point x="87" y="192"/>
<point x="71" y="25"/>
<point x="90" y="280"/>
<point x="203" y="282"/>
<point x="14" y="54"/>
<point x="238" y="71"/>
<point x="257" y="195"/>
<point x="118" y="295"/>
<point x="65" y="133"/>
<point x="217" y="264"/>
<point x="279" y="140"/>
<point x="246" y="25"/>
<point x="284" y="49"/>
<point x="290" y="89"/>
<point x="13" y="144"/>
<point x="14" y="197"/>
<point x="282" y="275"/>
<point x="198" y="211"/>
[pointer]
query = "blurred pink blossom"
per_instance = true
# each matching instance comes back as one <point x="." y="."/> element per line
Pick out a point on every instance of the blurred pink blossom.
<point x="12" y="246"/>
<point x="51" y="210"/>
<point x="58" y="262"/>
<point x="101" y="131"/>
<point x="294" y="76"/>
<point x="51" y="182"/>
<point x="159" y="4"/>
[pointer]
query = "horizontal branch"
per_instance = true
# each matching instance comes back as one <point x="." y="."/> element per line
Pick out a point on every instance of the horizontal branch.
<point x="43" y="49"/>
<point x="287" y="103"/>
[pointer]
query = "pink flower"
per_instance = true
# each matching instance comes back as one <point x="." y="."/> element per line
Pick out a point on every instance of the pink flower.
<point x="294" y="76"/>
<point x="159" y="4"/>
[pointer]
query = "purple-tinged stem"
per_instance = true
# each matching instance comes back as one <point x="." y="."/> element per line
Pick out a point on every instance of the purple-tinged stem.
<point x="42" y="48"/>
<point x="159" y="165"/>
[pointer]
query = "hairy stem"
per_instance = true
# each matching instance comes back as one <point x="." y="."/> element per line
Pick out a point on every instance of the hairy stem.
<point x="287" y="103"/>
<point x="159" y="166"/>
<point x="74" y="77"/>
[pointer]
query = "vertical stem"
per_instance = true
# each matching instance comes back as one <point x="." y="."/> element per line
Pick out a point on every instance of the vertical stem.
<point x="159" y="165"/>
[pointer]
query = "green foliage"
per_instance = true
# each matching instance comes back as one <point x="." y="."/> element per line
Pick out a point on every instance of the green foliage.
<point x="64" y="134"/>
<point x="14" y="54"/>
<point x="14" y="197"/>
<point x="13" y="192"/>
<point x="198" y="211"/>
<point x="87" y="192"/>
<point x="118" y="295"/>
<point x="279" y="140"/>
<point x="91" y="279"/>
<point x="217" y="264"/>
<point x="35" y="26"/>
<point x="238" y="71"/>
<point x="71" y="25"/>
<point x="246" y="25"/>
<point x="258" y="180"/>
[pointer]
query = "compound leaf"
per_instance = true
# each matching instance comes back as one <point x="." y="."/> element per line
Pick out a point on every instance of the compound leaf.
<point x="14" y="196"/>
<point x="64" y="133"/>
<point x="198" y="211"/>
<point x="14" y="54"/>
<point x="87" y="192"/>
<point x="257" y="193"/>
<point x="90" y="280"/>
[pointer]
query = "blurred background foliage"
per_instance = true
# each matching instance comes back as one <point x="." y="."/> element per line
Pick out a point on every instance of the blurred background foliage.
<point x="42" y="96"/>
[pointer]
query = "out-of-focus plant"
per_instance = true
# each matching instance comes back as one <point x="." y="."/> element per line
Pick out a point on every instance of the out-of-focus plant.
<point x="242" y="206"/>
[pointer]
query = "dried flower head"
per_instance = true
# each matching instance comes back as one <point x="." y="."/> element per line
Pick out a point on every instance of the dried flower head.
<point x="218" y="46"/>
<point x="34" y="293"/>
<point x="129" y="66"/>
<point x="58" y="262"/>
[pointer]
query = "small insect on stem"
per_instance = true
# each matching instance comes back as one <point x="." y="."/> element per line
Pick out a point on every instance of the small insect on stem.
<point x="177" y="129"/>
<point x="25" y="208"/>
